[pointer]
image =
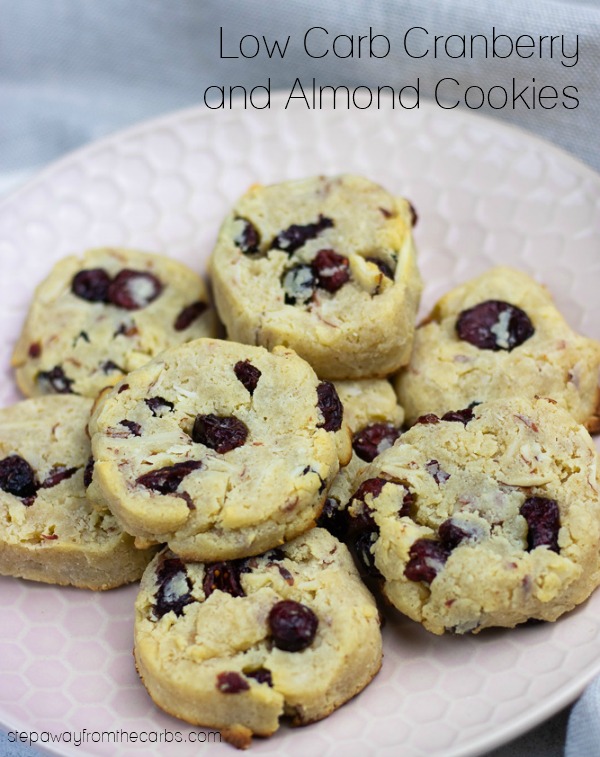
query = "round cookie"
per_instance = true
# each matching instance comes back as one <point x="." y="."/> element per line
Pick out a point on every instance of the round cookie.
<point x="375" y="418"/>
<point x="48" y="530"/>
<point x="236" y="645"/>
<point x="488" y="519"/>
<point x="95" y="318"/>
<point x="496" y="336"/>
<point x="325" y="266"/>
<point x="220" y="449"/>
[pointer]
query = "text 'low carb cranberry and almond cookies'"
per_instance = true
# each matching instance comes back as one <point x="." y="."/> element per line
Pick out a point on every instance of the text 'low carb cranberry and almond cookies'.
<point x="95" y="318"/>
<point x="220" y="449"/>
<point x="326" y="266"/>
<point x="499" y="335"/>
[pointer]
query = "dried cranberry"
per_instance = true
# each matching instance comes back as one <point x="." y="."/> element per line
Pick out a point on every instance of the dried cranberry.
<point x="189" y="314"/>
<point x="135" y="428"/>
<point x="298" y="285"/>
<point x="292" y="625"/>
<point x="108" y="366"/>
<point x="231" y="683"/>
<point x="248" y="240"/>
<point x="460" y="416"/>
<point x="451" y="535"/>
<point x="362" y="548"/>
<point x="414" y="216"/>
<point x="132" y="290"/>
<point x="427" y="419"/>
<point x="17" y="477"/>
<point x="126" y="329"/>
<point x="330" y="405"/>
<point x="372" y="486"/>
<point x="494" y="325"/>
<point x="294" y="237"/>
<point x="543" y="521"/>
<point x="57" y="380"/>
<point x="408" y="503"/>
<point x="59" y="473"/>
<point x="373" y="439"/>
<point x="439" y="476"/>
<point x="383" y="267"/>
<point x="334" y="518"/>
<point x="123" y="388"/>
<point x="248" y="374"/>
<point x="426" y="558"/>
<point x="261" y="675"/>
<point x="219" y="432"/>
<point x="174" y="587"/>
<point x="158" y="404"/>
<point x="35" y="350"/>
<point x="88" y="472"/>
<point x="223" y="576"/>
<point x="166" y="480"/>
<point x="91" y="285"/>
<point x="331" y="270"/>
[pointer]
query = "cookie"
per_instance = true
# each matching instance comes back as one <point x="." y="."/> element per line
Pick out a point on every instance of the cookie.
<point x="375" y="419"/>
<point x="489" y="519"/>
<point x="325" y="266"/>
<point x="220" y="449"/>
<point x="236" y="645"/>
<point x="496" y="336"/>
<point x="95" y="318"/>
<point x="48" y="530"/>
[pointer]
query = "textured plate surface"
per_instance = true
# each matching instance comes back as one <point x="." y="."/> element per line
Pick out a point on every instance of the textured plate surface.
<point x="485" y="195"/>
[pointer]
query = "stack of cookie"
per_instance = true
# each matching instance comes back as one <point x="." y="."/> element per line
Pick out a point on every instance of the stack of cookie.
<point x="245" y="469"/>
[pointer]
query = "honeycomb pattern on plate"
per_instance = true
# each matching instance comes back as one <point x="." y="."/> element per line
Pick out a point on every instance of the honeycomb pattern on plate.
<point x="485" y="195"/>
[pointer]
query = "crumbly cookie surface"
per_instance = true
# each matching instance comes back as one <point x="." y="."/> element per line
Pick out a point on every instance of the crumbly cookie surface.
<point x="224" y="645"/>
<point x="220" y="449"/>
<point x="48" y="530"/>
<point x="490" y="519"/>
<point x="496" y="336"/>
<point x="95" y="318"/>
<point x="323" y="265"/>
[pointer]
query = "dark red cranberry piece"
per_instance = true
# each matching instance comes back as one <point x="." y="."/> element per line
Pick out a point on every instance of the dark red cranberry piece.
<point x="276" y="554"/>
<point x="126" y="329"/>
<point x="427" y="419"/>
<point x="362" y="547"/>
<point x="232" y="683"/>
<point x="59" y="473"/>
<point x="408" y="503"/>
<point x="494" y="325"/>
<point x="109" y="367"/>
<point x="224" y="576"/>
<point x="372" y="486"/>
<point x="188" y="315"/>
<point x="248" y="240"/>
<point x="166" y="480"/>
<point x="427" y="558"/>
<point x="414" y="216"/>
<point x="373" y="439"/>
<point x="331" y="270"/>
<point x="383" y="267"/>
<point x="293" y="625"/>
<point x="330" y="405"/>
<point x="134" y="427"/>
<point x="439" y="476"/>
<point x="57" y="379"/>
<point x="248" y="374"/>
<point x="35" y="350"/>
<point x="132" y="290"/>
<point x="174" y="588"/>
<point x="219" y="432"/>
<point x="294" y="237"/>
<point x="334" y="518"/>
<point x="17" y="477"/>
<point x="88" y="472"/>
<point x="91" y="285"/>
<point x="262" y="675"/>
<point x="298" y="285"/>
<point x="543" y="521"/>
<point x="452" y="535"/>
<point x="123" y="388"/>
<point x="460" y="416"/>
<point x="158" y="405"/>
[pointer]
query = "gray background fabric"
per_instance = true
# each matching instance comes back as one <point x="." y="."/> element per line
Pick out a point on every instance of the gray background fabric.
<point x="72" y="71"/>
